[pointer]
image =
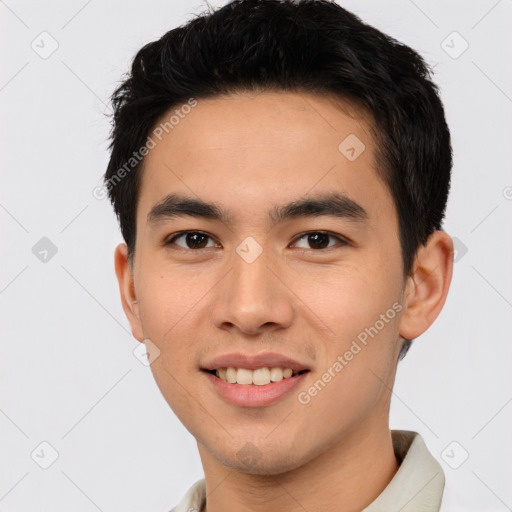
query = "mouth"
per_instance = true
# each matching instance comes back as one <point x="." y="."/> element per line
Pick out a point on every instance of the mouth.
<point x="258" y="377"/>
<point x="254" y="380"/>
<point x="253" y="388"/>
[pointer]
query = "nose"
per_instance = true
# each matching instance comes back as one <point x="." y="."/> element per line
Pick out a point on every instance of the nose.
<point x="253" y="298"/>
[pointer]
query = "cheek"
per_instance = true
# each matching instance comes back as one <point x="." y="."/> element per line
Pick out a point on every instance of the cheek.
<point x="169" y="303"/>
<point x="173" y="307"/>
<point x="179" y="391"/>
<point x="349" y="299"/>
<point x="167" y="298"/>
<point x="361" y="306"/>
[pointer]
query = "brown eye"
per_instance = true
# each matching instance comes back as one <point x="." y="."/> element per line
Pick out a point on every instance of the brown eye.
<point x="319" y="240"/>
<point x="192" y="240"/>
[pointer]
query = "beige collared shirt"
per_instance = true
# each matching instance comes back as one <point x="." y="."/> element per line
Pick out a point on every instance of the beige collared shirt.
<point x="416" y="487"/>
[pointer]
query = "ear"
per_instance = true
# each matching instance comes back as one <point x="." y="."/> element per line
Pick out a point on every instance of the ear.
<point x="427" y="286"/>
<point x="127" y="289"/>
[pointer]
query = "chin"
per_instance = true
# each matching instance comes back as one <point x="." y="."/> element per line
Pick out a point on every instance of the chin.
<point x="251" y="461"/>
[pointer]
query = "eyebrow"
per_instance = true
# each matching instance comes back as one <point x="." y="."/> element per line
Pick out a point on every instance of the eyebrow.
<point x="327" y="204"/>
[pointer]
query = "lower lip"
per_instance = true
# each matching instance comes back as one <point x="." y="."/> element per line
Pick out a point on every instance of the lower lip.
<point x="251" y="395"/>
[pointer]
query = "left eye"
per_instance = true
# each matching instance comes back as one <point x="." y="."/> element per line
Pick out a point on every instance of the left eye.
<point x="320" y="239"/>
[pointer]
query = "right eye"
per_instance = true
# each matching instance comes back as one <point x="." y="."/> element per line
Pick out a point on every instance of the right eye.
<point x="193" y="240"/>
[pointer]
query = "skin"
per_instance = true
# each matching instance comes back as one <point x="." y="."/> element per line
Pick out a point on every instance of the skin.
<point x="249" y="152"/>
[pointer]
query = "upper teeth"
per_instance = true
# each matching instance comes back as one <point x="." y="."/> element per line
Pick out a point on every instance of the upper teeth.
<point x="260" y="377"/>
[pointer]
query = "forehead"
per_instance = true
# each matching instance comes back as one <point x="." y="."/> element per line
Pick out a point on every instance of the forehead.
<point x="248" y="150"/>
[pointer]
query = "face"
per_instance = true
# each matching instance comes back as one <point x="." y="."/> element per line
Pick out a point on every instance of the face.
<point x="324" y="290"/>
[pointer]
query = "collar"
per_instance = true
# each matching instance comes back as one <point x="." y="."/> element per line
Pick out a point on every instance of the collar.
<point x="419" y="482"/>
<point x="416" y="487"/>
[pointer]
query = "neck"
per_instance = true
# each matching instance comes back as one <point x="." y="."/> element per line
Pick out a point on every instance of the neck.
<point x="349" y="476"/>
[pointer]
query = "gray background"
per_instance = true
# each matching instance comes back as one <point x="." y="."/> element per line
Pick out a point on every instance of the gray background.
<point x="68" y="373"/>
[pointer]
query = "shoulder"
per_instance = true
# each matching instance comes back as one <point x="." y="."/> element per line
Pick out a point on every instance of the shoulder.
<point x="193" y="500"/>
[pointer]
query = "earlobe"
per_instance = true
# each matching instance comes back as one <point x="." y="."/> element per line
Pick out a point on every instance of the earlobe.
<point x="129" y="300"/>
<point x="427" y="287"/>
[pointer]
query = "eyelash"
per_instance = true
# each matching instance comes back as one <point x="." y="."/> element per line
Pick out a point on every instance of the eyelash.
<point x="342" y="241"/>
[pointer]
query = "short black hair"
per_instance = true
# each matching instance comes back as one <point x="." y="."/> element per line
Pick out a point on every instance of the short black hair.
<point x="312" y="46"/>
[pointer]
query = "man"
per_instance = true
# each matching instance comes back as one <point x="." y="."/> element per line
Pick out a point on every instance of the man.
<point x="280" y="171"/>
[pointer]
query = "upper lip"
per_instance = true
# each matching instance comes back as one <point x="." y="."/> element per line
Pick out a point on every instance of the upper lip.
<point x="253" y="362"/>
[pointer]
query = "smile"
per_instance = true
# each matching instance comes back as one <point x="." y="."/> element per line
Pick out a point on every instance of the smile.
<point x="251" y="394"/>
<point x="258" y="377"/>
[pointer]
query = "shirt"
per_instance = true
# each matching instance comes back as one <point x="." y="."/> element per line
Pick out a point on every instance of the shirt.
<point x="416" y="487"/>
